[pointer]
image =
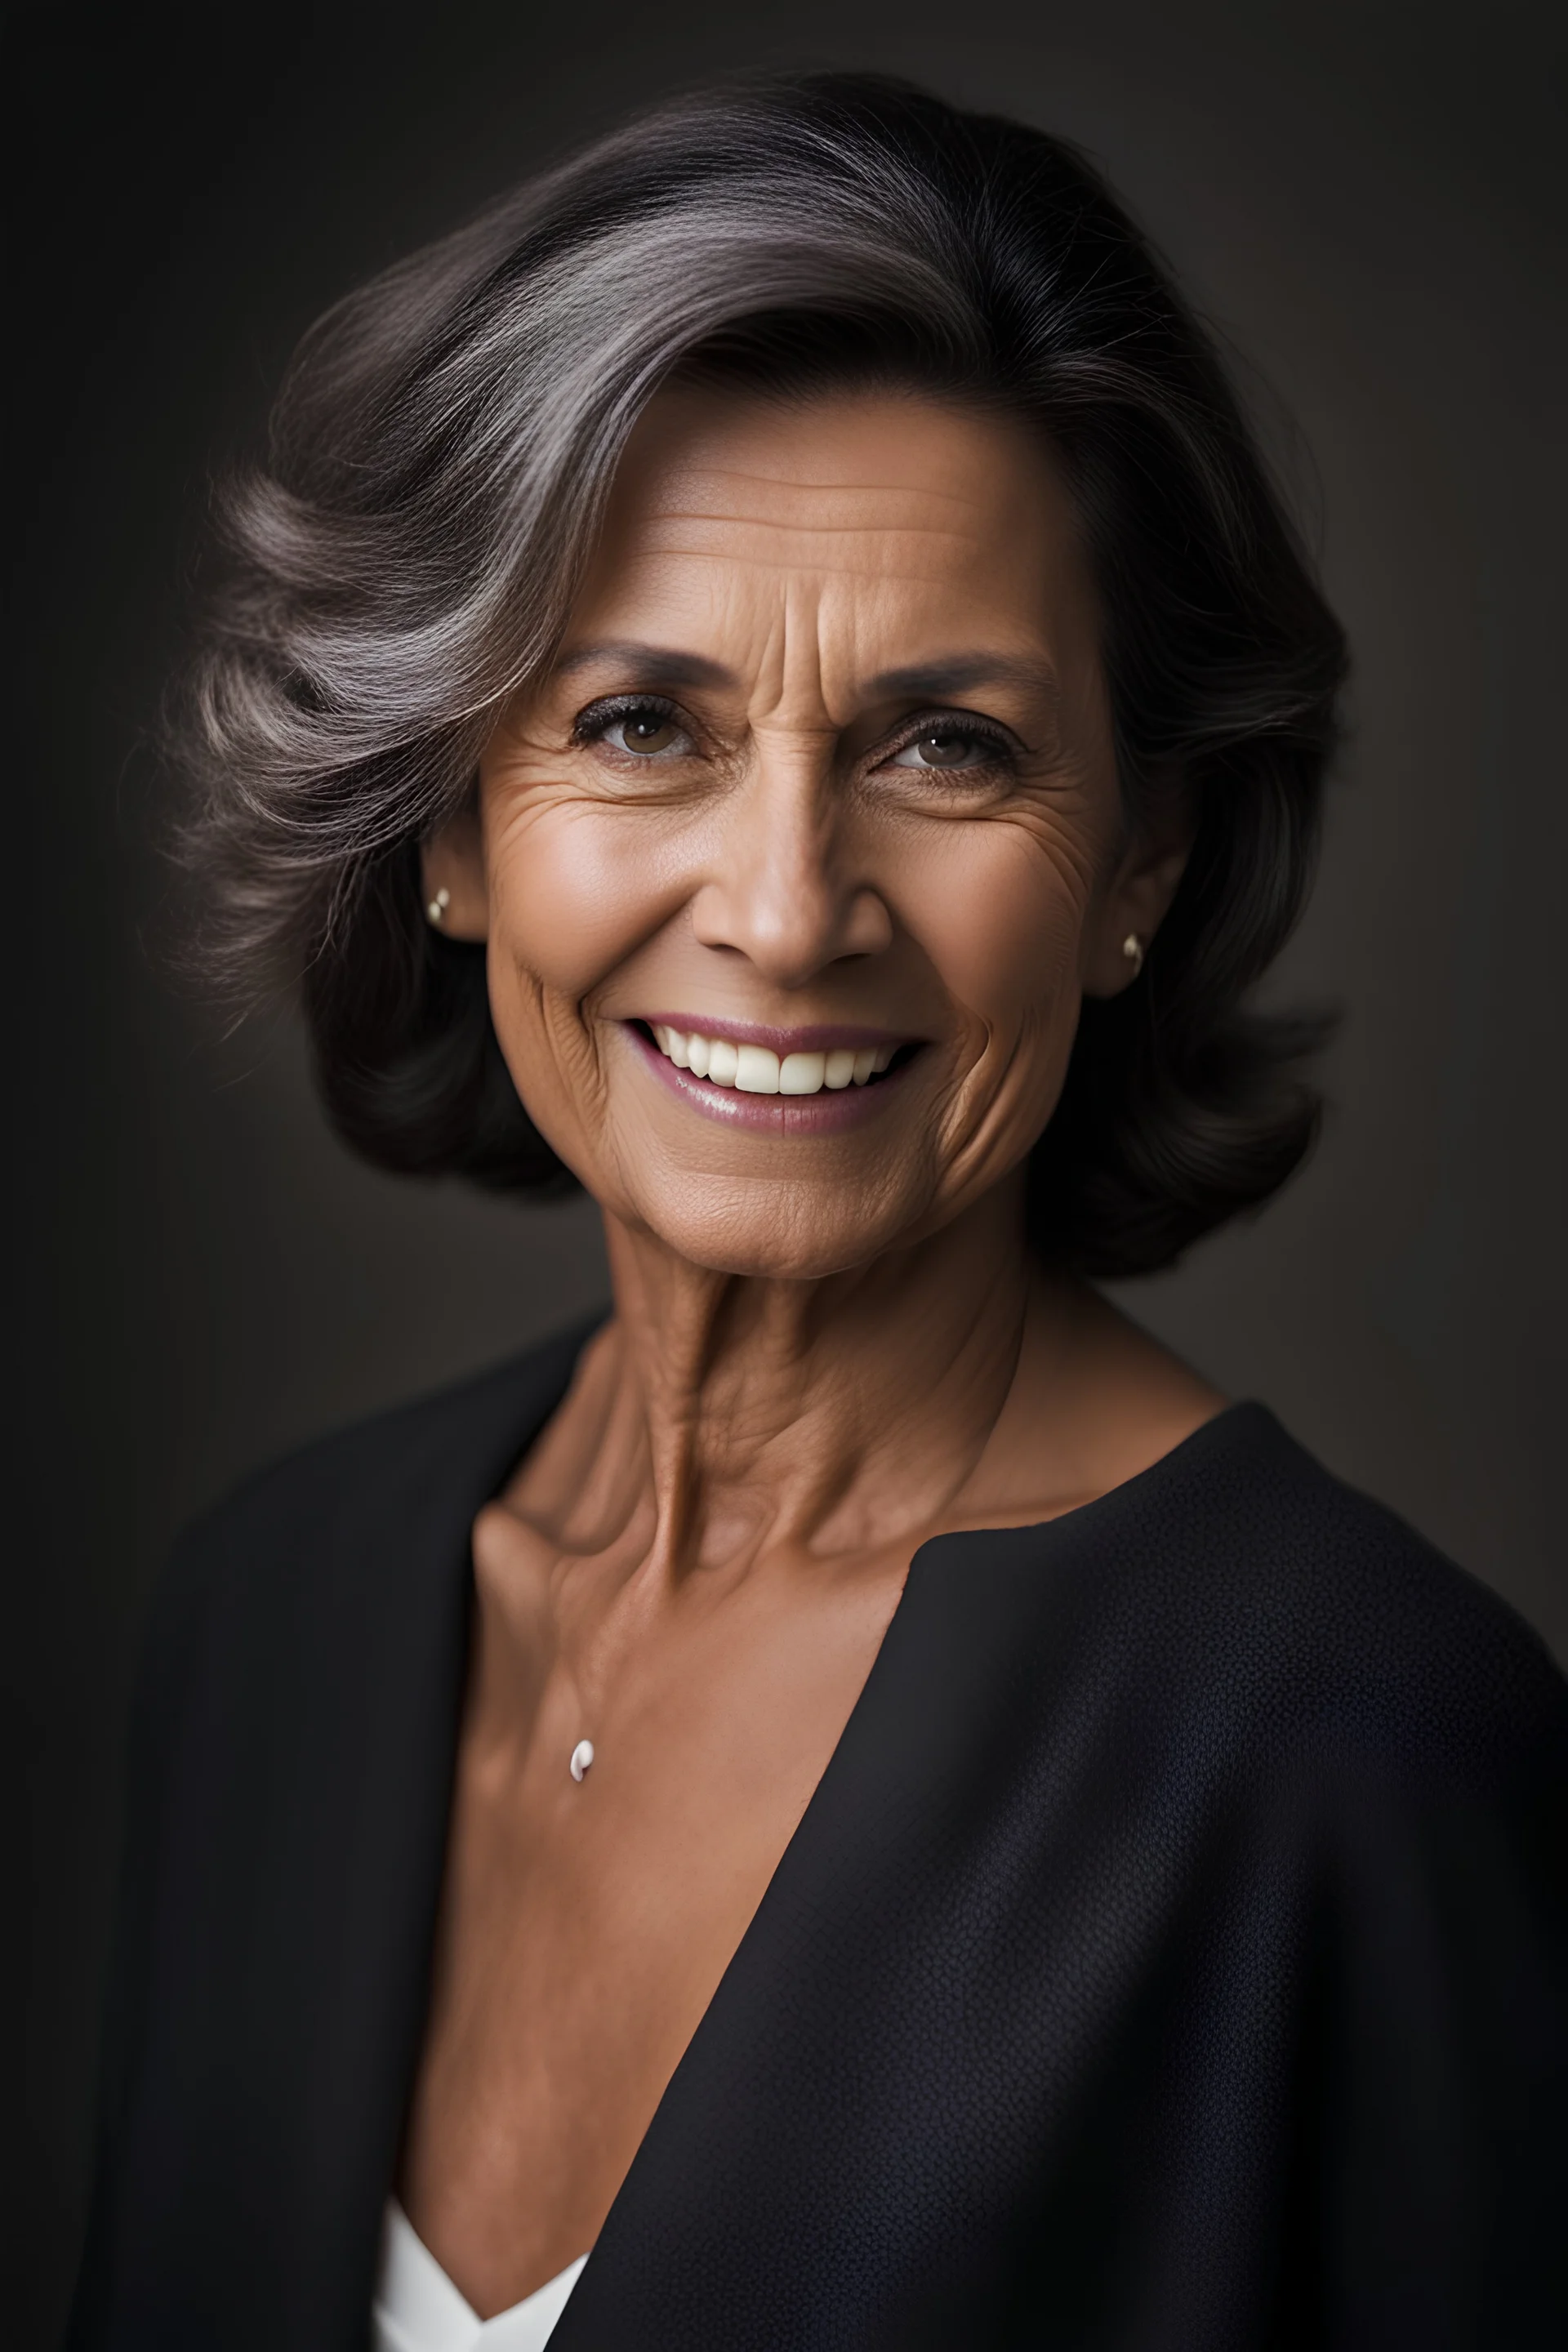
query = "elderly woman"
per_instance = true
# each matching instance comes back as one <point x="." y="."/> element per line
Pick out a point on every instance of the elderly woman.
<point x="766" y="676"/>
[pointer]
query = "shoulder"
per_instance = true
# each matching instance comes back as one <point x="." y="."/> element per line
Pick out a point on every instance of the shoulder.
<point x="1277" y="1601"/>
<point x="362" y="1503"/>
<point x="393" y="1460"/>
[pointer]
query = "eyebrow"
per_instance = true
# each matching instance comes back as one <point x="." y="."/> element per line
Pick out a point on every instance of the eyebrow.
<point x="933" y="681"/>
<point x="961" y="673"/>
<point x="659" y="665"/>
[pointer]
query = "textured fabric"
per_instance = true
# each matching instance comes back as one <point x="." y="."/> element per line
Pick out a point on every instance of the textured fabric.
<point x="1173" y="1959"/>
<point x="418" y="2308"/>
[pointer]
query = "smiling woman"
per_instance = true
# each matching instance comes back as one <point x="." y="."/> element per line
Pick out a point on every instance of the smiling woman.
<point x="442" y="458"/>
<point x="860" y="1803"/>
<point x="746" y="808"/>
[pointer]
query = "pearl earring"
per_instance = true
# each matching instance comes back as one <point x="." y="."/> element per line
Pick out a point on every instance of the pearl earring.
<point x="1132" y="948"/>
<point x="435" y="912"/>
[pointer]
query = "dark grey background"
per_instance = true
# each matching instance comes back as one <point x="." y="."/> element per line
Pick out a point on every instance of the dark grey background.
<point x="1368" y="199"/>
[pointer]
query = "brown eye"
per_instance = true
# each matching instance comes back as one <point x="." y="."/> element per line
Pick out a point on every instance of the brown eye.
<point x="944" y="747"/>
<point x="643" y="730"/>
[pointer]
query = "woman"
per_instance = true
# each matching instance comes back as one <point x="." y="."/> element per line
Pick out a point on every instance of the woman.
<point x="767" y="676"/>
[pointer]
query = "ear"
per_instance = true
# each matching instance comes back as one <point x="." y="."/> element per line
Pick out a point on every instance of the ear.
<point x="1135" y="901"/>
<point x="452" y="877"/>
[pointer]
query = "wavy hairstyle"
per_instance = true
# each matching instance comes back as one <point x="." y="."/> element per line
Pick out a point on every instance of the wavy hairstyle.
<point x="440" y="454"/>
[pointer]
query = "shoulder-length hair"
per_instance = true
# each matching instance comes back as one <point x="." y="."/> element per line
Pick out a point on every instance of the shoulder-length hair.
<point x="439" y="459"/>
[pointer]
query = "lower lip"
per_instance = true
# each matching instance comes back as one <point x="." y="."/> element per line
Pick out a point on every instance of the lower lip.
<point x="824" y="1113"/>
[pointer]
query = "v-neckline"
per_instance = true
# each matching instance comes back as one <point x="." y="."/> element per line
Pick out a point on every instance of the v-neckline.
<point x="1051" y="1531"/>
<point x="415" y="2299"/>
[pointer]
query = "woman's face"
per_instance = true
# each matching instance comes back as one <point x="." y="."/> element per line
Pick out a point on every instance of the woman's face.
<point x="797" y="867"/>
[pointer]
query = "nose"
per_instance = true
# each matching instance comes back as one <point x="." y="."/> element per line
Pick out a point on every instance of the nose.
<point x="784" y="889"/>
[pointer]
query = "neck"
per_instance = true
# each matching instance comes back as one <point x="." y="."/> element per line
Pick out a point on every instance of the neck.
<point x="837" y="1413"/>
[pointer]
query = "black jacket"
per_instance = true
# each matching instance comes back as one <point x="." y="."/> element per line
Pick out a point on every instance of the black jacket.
<point x="1173" y="1958"/>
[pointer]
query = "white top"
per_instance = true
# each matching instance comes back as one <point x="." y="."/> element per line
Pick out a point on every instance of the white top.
<point x="418" y="2308"/>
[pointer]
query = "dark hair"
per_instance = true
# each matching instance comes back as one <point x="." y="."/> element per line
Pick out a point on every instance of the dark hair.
<point x="439" y="459"/>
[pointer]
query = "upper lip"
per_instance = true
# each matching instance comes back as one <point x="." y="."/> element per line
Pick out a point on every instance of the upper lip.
<point x="813" y="1037"/>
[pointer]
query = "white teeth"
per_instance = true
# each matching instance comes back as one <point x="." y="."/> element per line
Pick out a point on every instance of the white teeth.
<point x="757" y="1070"/>
<point x="801" y="1073"/>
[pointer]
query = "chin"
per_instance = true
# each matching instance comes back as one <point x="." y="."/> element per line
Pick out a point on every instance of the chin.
<point x="784" y="1240"/>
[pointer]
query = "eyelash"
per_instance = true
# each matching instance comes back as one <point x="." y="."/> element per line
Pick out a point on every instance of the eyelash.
<point x="593" y="724"/>
<point x="955" y="726"/>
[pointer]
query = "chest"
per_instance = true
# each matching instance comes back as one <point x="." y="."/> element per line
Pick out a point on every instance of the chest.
<point x="586" y="1919"/>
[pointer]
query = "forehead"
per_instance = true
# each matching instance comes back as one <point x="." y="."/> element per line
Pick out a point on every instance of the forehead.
<point x="914" y="502"/>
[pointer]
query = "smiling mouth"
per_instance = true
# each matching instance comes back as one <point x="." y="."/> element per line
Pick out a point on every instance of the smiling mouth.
<point x="753" y="1069"/>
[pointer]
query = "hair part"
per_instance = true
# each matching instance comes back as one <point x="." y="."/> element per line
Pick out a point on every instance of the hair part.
<point x="404" y="560"/>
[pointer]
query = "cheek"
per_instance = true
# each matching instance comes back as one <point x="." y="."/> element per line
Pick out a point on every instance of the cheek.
<point x="575" y="889"/>
<point x="1004" y="924"/>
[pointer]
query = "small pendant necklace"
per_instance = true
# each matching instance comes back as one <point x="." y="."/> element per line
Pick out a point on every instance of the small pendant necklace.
<point x="581" y="1757"/>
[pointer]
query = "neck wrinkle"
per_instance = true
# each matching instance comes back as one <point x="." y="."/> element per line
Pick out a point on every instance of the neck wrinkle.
<point x="834" y="1414"/>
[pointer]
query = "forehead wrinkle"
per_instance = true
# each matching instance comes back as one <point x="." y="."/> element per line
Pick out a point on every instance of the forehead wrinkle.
<point x="830" y="626"/>
<point x="744" y="641"/>
<point x="877" y="527"/>
<point x="765" y="548"/>
<point x="790" y="693"/>
<point x="840" y="562"/>
<point x="695" y="481"/>
<point x="776" y="683"/>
